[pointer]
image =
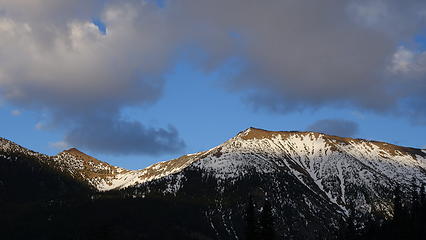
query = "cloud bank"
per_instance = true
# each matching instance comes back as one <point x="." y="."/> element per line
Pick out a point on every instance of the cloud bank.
<point x="292" y="55"/>
<point x="64" y="64"/>
<point x="309" y="54"/>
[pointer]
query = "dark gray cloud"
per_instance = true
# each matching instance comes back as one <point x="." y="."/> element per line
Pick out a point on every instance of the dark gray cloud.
<point x="125" y="137"/>
<point x="309" y="54"/>
<point x="336" y="127"/>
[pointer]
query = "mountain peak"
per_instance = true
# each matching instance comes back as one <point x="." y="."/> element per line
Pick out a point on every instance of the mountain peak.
<point x="258" y="133"/>
<point x="73" y="150"/>
<point x="255" y="133"/>
<point x="79" y="154"/>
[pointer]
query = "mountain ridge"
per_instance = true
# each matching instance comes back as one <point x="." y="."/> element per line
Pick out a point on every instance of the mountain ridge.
<point x="354" y="177"/>
<point x="113" y="177"/>
<point x="314" y="182"/>
<point x="268" y="133"/>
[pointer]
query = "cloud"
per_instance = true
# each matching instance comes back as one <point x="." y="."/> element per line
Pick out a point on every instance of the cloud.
<point x="409" y="63"/>
<point x="40" y="126"/>
<point x="85" y="69"/>
<point x="44" y="11"/>
<point x="60" y="145"/>
<point x="125" y="137"/>
<point x="62" y="64"/>
<point x="408" y="70"/>
<point x="336" y="127"/>
<point x="292" y="55"/>
<point x="393" y="17"/>
<point x="15" y="112"/>
<point x="309" y="54"/>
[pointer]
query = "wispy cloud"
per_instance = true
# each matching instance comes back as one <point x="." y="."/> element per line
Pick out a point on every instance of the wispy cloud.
<point x="337" y="127"/>
<point x="39" y="126"/>
<point x="15" y="112"/>
<point x="60" y="145"/>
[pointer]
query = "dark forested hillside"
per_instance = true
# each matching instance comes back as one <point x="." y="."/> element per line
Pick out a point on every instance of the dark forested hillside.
<point x="26" y="178"/>
<point x="104" y="218"/>
<point x="408" y="223"/>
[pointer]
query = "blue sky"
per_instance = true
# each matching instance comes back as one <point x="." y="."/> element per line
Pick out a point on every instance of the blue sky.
<point x="134" y="83"/>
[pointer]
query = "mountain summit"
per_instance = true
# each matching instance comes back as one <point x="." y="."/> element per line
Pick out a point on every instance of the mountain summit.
<point x="77" y="153"/>
<point x="313" y="181"/>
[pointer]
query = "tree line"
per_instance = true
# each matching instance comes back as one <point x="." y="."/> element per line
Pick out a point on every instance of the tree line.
<point x="408" y="222"/>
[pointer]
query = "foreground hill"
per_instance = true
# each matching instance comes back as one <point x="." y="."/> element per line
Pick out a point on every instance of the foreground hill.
<point x="315" y="184"/>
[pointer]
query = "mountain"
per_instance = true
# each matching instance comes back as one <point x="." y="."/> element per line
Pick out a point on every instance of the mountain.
<point x="315" y="184"/>
<point x="27" y="176"/>
<point x="314" y="181"/>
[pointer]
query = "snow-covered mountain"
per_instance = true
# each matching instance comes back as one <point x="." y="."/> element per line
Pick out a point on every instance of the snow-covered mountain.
<point x="328" y="164"/>
<point x="320" y="179"/>
<point x="104" y="177"/>
<point x="314" y="182"/>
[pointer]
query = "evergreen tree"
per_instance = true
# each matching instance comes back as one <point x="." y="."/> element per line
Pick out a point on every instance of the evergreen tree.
<point x="251" y="227"/>
<point x="401" y="220"/>
<point x="415" y="201"/>
<point x="398" y="208"/>
<point x="267" y="222"/>
<point x="415" y="210"/>
<point x="350" y="231"/>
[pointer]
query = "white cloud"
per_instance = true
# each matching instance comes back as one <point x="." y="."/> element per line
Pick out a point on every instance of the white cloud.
<point x="393" y="17"/>
<point x="40" y="126"/>
<point x="125" y="66"/>
<point x="15" y="112"/>
<point x="61" y="145"/>
<point x="409" y="62"/>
